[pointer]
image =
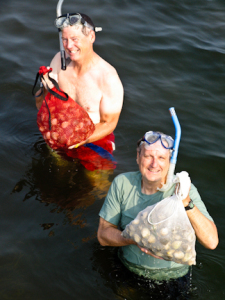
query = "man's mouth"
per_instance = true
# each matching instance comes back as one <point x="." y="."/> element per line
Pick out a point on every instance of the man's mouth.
<point x="73" y="51"/>
<point x="153" y="171"/>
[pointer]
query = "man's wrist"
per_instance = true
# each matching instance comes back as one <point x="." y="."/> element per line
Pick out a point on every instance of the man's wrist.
<point x="189" y="206"/>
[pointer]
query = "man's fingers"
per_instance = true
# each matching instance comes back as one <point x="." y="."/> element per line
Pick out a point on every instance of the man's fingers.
<point x="74" y="146"/>
<point x="149" y="252"/>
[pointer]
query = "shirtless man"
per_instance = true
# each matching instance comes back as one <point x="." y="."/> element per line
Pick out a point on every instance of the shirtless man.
<point x="88" y="79"/>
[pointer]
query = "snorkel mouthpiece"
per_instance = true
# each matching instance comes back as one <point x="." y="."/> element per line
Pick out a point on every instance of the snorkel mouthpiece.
<point x="173" y="160"/>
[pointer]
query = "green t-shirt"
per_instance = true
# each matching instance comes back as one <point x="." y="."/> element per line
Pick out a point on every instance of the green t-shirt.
<point x="122" y="204"/>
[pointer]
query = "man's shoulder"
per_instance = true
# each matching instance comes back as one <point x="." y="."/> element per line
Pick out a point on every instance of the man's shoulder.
<point x="56" y="63"/>
<point x="105" y="70"/>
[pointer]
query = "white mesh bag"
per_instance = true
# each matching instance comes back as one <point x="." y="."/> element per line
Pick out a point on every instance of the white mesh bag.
<point x="164" y="228"/>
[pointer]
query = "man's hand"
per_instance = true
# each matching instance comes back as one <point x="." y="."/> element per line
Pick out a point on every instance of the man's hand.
<point x="46" y="81"/>
<point x="78" y="145"/>
<point x="146" y="251"/>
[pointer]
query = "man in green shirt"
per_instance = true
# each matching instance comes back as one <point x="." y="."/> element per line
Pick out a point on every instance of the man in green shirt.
<point x="134" y="191"/>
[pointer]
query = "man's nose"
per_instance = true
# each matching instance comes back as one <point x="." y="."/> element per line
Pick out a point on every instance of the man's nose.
<point x="69" y="44"/>
<point x="154" y="162"/>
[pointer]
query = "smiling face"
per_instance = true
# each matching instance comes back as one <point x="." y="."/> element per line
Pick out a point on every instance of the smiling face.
<point x="77" y="45"/>
<point x="153" y="163"/>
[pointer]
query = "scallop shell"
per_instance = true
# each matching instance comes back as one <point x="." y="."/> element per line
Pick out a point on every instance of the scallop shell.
<point x="164" y="231"/>
<point x="176" y="244"/>
<point x="137" y="238"/>
<point x="178" y="254"/>
<point x="151" y="239"/>
<point x="135" y="222"/>
<point x="187" y="257"/>
<point x="145" y="232"/>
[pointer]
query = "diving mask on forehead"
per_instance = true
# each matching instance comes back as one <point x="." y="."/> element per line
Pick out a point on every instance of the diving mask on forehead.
<point x="152" y="137"/>
<point x="73" y="19"/>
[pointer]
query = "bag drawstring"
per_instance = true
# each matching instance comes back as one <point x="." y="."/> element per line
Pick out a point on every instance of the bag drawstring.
<point x="55" y="94"/>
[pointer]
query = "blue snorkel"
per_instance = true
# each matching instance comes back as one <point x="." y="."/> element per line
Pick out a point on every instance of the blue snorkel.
<point x="173" y="160"/>
<point x="62" y="51"/>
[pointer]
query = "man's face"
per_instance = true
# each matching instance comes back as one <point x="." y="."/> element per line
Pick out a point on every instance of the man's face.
<point x="154" y="163"/>
<point x="76" y="44"/>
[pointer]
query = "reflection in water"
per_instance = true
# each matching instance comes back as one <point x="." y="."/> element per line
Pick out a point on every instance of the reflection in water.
<point x="63" y="181"/>
<point x="127" y="285"/>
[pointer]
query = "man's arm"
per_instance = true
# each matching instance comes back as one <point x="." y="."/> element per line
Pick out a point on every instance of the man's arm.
<point x="109" y="235"/>
<point x="204" y="228"/>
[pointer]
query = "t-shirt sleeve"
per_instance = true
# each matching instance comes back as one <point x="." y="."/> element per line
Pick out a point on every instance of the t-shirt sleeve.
<point x="195" y="197"/>
<point x="111" y="209"/>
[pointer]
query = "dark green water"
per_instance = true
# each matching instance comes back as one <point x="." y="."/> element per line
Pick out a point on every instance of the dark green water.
<point x="167" y="53"/>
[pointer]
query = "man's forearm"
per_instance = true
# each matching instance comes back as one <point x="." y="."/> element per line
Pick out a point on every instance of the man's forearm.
<point x="112" y="237"/>
<point x="102" y="129"/>
<point x="204" y="228"/>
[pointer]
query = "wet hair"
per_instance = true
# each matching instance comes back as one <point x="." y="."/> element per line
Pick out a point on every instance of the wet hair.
<point x="87" y="19"/>
<point x="86" y="30"/>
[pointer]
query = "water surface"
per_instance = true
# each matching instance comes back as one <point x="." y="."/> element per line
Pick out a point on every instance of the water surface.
<point x="167" y="54"/>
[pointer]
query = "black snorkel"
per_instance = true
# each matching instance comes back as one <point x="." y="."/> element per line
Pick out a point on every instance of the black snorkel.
<point x="62" y="51"/>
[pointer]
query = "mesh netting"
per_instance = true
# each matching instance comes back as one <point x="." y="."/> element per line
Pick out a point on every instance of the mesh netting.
<point x="63" y="123"/>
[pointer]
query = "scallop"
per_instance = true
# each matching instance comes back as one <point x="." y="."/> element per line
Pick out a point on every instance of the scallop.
<point x="135" y="222"/>
<point x="170" y="253"/>
<point x="137" y="238"/>
<point x="54" y="135"/>
<point x="164" y="231"/>
<point x="167" y="246"/>
<point x="178" y="254"/>
<point x="164" y="241"/>
<point x="187" y="257"/>
<point x="54" y="121"/>
<point x="176" y="244"/>
<point x="144" y="242"/>
<point x="177" y="237"/>
<point x="131" y="227"/>
<point x="151" y="239"/>
<point x="47" y="135"/>
<point x="192" y="262"/>
<point x="186" y="247"/>
<point x="131" y="233"/>
<point x="145" y="232"/>
<point x="190" y="237"/>
<point x="65" y="124"/>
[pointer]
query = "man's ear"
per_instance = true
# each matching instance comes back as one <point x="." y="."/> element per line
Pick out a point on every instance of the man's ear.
<point x="92" y="36"/>
<point x="138" y="157"/>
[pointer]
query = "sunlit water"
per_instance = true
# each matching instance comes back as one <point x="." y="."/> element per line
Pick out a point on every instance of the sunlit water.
<point x="167" y="53"/>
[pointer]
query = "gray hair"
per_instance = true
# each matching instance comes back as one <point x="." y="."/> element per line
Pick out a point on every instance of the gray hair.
<point x="84" y="29"/>
<point x="141" y="142"/>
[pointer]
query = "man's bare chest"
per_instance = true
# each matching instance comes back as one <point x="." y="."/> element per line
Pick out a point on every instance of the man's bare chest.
<point x="85" y="91"/>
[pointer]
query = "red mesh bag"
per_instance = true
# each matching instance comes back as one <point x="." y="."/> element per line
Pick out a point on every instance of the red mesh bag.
<point x="61" y="120"/>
